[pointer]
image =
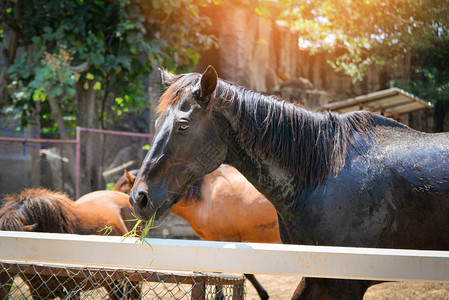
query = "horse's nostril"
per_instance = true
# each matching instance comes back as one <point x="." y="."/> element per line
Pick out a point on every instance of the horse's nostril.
<point x="142" y="199"/>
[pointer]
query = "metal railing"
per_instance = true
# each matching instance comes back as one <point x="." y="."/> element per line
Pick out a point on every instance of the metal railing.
<point x="78" y="144"/>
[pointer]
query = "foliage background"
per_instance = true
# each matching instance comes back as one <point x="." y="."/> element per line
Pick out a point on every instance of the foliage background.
<point x="77" y="62"/>
<point x="68" y="59"/>
<point x="366" y="32"/>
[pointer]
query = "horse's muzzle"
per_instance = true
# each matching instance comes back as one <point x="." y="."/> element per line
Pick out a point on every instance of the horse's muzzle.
<point x="141" y="203"/>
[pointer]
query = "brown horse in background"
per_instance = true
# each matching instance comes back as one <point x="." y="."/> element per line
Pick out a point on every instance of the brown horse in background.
<point x="224" y="206"/>
<point x="41" y="210"/>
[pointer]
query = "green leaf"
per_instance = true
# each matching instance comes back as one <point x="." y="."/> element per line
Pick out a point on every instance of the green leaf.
<point x="70" y="91"/>
<point x="90" y="76"/>
<point x="119" y="100"/>
<point x="97" y="86"/>
<point x="99" y="3"/>
<point x="56" y="91"/>
<point x="100" y="36"/>
<point x="97" y="59"/>
<point x="39" y="95"/>
<point x="146" y="147"/>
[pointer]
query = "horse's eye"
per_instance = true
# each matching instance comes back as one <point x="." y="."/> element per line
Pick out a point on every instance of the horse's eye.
<point x="183" y="127"/>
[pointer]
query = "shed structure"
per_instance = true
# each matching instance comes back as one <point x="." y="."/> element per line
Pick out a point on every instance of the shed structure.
<point x="393" y="103"/>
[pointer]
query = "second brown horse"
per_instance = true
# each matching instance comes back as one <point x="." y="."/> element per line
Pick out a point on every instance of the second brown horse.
<point x="224" y="206"/>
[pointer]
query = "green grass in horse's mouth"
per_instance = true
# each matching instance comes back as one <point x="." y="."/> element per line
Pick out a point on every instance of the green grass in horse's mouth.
<point x="140" y="234"/>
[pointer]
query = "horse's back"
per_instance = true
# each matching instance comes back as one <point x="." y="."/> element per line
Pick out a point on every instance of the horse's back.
<point x="418" y="157"/>
<point x="418" y="172"/>
<point x="38" y="209"/>
<point x="104" y="209"/>
<point x="390" y="132"/>
<point x="115" y="196"/>
<point x="394" y="195"/>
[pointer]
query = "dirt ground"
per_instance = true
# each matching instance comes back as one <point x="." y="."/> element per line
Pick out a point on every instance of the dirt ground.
<point x="282" y="287"/>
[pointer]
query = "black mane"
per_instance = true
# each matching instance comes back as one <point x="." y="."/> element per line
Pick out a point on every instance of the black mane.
<point x="308" y="144"/>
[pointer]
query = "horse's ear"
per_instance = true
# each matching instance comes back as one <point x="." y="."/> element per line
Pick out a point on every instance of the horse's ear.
<point x="208" y="83"/>
<point x="129" y="177"/>
<point x="166" y="77"/>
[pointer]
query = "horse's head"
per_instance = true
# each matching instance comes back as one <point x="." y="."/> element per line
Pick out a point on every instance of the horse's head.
<point x="125" y="183"/>
<point x="188" y="143"/>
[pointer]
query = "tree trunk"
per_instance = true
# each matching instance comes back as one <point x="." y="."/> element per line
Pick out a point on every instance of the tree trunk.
<point x="154" y="91"/>
<point x="9" y="54"/>
<point x="58" y="116"/>
<point x="87" y="116"/>
<point x="87" y="112"/>
<point x="36" y="158"/>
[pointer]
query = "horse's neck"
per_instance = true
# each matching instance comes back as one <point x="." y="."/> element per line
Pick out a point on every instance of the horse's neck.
<point x="275" y="184"/>
<point x="269" y="180"/>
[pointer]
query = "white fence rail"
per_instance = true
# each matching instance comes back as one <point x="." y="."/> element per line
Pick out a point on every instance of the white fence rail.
<point x="165" y="254"/>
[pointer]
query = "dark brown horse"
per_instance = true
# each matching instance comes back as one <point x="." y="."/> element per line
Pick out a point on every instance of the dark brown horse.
<point x="354" y="179"/>
<point x="41" y="210"/>
<point x="224" y="206"/>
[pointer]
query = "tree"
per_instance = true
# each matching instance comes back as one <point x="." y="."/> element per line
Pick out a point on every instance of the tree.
<point x="370" y="31"/>
<point x="77" y="54"/>
<point x="360" y="33"/>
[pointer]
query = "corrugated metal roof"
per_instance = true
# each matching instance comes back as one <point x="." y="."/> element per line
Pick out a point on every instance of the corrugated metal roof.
<point x="392" y="102"/>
